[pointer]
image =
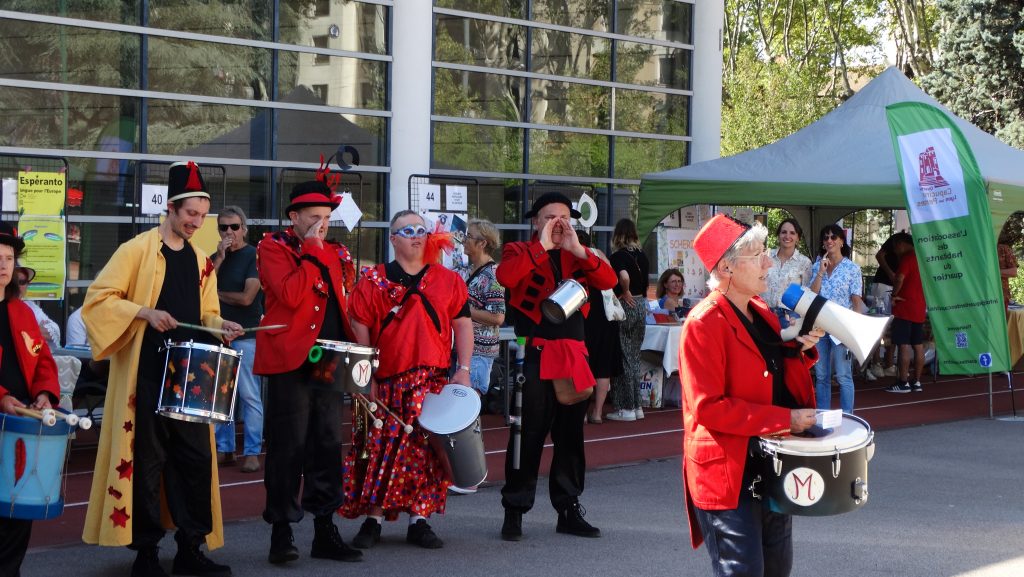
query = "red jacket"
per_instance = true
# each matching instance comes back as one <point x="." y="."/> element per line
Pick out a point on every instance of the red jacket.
<point x="727" y="398"/>
<point x="526" y="271"/>
<point x="34" y="356"/>
<point x="295" y="294"/>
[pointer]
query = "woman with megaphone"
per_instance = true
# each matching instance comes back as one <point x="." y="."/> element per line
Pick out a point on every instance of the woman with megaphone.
<point x="740" y="382"/>
<point x="838" y="279"/>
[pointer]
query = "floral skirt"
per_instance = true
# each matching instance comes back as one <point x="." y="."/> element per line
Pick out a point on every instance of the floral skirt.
<point x="389" y="468"/>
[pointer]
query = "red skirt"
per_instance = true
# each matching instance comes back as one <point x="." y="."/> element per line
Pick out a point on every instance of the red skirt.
<point x="400" y="472"/>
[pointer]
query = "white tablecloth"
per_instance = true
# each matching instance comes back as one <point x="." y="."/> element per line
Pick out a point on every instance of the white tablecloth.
<point x="664" y="339"/>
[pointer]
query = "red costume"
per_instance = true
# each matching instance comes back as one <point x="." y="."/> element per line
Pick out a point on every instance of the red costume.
<point x="402" y="473"/>
<point x="727" y="398"/>
<point x="34" y="355"/>
<point x="292" y="274"/>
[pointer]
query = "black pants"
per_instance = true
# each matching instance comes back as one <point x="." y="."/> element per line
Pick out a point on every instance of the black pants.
<point x="542" y="414"/>
<point x="750" y="540"/>
<point x="179" y="453"/>
<point x="14" y="536"/>
<point x="302" y="428"/>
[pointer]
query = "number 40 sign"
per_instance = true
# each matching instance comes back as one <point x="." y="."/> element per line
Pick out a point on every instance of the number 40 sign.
<point x="154" y="198"/>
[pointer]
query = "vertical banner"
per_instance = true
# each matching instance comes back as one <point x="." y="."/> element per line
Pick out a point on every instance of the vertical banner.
<point x="953" y="238"/>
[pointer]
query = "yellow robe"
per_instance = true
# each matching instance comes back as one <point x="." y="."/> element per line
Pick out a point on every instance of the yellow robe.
<point x="132" y="280"/>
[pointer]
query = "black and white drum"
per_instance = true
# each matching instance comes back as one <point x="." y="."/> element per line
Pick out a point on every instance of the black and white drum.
<point x="199" y="382"/>
<point x="453" y="420"/>
<point x="564" y="302"/>
<point x="816" y="476"/>
<point x="341" y="366"/>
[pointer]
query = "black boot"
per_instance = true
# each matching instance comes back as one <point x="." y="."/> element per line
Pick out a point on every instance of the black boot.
<point x="147" y="563"/>
<point x="282" y="544"/>
<point x="421" y="534"/>
<point x="327" y="542"/>
<point x="571" y="521"/>
<point x="190" y="560"/>
<point x="368" y="535"/>
<point x="512" y="528"/>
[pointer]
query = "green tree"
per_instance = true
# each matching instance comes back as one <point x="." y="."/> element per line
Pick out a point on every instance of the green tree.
<point x="979" y="74"/>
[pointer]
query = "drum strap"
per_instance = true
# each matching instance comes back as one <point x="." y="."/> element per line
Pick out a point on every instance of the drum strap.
<point x="411" y="290"/>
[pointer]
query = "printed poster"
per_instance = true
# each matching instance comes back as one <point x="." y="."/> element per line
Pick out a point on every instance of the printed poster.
<point x="41" y="193"/>
<point x="45" y="251"/>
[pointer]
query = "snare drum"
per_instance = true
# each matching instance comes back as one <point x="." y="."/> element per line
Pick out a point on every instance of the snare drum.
<point x="453" y="420"/>
<point x="340" y="366"/>
<point x="816" y="476"/>
<point x="199" y="382"/>
<point x="32" y="459"/>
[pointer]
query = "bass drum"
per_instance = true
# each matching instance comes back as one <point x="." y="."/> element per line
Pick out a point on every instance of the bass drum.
<point x="453" y="420"/>
<point x="816" y="476"/>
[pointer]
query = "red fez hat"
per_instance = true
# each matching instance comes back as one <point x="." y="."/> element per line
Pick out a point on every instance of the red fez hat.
<point x="716" y="237"/>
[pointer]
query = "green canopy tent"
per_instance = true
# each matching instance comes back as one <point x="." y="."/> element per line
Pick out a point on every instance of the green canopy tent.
<point x="841" y="163"/>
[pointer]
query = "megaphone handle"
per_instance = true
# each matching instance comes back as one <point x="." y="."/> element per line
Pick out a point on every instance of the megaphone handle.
<point x="811" y="314"/>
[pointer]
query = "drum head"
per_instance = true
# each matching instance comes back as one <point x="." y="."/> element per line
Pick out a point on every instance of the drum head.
<point x="202" y="347"/>
<point x="456" y="408"/>
<point x="342" y="346"/>
<point x="852" y="434"/>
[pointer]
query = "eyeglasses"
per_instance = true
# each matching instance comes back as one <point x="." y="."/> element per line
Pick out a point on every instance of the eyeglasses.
<point x="410" y="232"/>
<point x="471" y="237"/>
<point x="830" y="236"/>
<point x="22" y="281"/>
<point x="760" y="255"/>
<point x="225" y="227"/>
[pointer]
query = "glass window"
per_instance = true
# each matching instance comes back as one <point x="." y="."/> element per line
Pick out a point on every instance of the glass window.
<point x="670" y="20"/>
<point x="249" y="19"/>
<point x="320" y="41"/>
<point x="97" y="243"/>
<point x="52" y="53"/>
<point x="569" y="104"/>
<point x="54" y="119"/>
<point x="508" y="8"/>
<point x="208" y="68"/>
<point x="479" y="42"/>
<point x="635" y="157"/>
<point x="347" y="82"/>
<point x="589" y="15"/>
<point x="568" y="153"/>
<point x="652" y="112"/>
<point x="565" y="54"/>
<point x="353" y="26"/>
<point x="214" y="130"/>
<point x="116" y="12"/>
<point x="471" y="147"/>
<point x="650" y="65"/>
<point x="477" y="95"/>
<point x="303" y="136"/>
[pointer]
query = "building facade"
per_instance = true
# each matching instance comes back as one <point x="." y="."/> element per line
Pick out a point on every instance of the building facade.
<point x="508" y="98"/>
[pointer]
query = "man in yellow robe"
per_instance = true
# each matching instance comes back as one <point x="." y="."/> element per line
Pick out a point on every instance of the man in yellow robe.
<point x="152" y="283"/>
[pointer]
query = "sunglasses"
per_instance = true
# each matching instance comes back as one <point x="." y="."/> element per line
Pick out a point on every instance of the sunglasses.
<point x="410" y="232"/>
<point x="830" y="236"/>
<point x="22" y="281"/>
<point x="225" y="227"/>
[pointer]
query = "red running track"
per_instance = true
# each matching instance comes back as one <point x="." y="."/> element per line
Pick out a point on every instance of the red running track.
<point x="658" y="436"/>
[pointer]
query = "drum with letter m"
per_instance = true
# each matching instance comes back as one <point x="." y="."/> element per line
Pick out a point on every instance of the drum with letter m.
<point x="816" y="476"/>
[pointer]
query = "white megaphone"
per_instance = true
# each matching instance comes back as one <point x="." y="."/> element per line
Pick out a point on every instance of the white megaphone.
<point x="860" y="333"/>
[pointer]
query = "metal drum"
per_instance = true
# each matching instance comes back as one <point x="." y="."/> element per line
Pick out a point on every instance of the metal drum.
<point x="340" y="366"/>
<point x="564" y="302"/>
<point x="816" y="476"/>
<point x="199" y="382"/>
<point x="32" y="459"/>
<point x="453" y="420"/>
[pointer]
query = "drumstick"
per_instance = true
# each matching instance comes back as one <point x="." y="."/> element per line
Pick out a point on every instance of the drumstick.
<point x="202" y="328"/>
<point x="266" y="328"/>
<point x="371" y="407"/>
<point x="47" y="416"/>
<point x="405" y="427"/>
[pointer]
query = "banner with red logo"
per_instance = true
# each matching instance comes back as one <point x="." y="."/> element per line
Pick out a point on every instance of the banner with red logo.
<point x="953" y="238"/>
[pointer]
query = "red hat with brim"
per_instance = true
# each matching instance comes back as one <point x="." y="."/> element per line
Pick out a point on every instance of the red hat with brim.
<point x="312" y="193"/>
<point x="716" y="237"/>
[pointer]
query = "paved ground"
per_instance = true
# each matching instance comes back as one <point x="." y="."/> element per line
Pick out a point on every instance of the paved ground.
<point x="946" y="500"/>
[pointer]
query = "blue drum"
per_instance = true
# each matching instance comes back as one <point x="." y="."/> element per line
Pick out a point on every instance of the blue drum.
<point x="32" y="457"/>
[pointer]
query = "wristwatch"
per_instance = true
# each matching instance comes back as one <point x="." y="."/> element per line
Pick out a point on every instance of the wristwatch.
<point x="462" y="368"/>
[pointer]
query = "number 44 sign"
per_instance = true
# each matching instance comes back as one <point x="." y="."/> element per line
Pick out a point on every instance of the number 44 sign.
<point x="154" y="198"/>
